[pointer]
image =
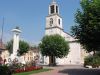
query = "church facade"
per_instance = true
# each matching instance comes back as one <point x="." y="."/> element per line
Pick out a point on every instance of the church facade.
<point x="54" y="26"/>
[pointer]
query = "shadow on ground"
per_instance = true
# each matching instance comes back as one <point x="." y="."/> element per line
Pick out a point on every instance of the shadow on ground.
<point x="81" y="71"/>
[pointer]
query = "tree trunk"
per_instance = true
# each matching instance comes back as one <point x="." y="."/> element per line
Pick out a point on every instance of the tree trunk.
<point x="94" y="52"/>
<point x="52" y="61"/>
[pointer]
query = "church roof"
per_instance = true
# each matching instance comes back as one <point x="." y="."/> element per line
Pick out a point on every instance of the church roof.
<point x="72" y="38"/>
<point x="68" y="34"/>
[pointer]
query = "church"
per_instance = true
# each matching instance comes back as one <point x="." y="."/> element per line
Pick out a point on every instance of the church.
<point x="54" y="26"/>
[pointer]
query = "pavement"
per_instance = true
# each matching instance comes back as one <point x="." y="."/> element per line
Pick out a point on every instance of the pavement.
<point x="70" y="70"/>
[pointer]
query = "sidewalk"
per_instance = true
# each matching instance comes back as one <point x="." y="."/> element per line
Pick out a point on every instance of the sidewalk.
<point x="51" y="72"/>
<point x="55" y="70"/>
<point x="70" y="70"/>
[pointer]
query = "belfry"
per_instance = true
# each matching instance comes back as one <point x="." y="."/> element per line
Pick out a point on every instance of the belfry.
<point x="54" y="25"/>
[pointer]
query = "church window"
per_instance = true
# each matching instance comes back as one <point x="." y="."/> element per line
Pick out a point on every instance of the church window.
<point x="28" y="58"/>
<point x="30" y="53"/>
<point x="24" y="57"/>
<point x="56" y="9"/>
<point x="52" y="9"/>
<point x="51" y="21"/>
<point x="59" y="21"/>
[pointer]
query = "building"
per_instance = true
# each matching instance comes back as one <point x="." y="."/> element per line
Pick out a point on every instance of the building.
<point x="54" y="26"/>
<point x="30" y="56"/>
<point x="4" y="54"/>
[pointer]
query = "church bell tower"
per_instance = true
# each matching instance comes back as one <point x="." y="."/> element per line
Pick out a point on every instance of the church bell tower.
<point x="53" y="20"/>
<point x="53" y="8"/>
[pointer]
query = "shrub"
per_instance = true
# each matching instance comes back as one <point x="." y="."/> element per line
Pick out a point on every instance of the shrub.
<point x="94" y="61"/>
<point x="4" y="70"/>
<point x="88" y="60"/>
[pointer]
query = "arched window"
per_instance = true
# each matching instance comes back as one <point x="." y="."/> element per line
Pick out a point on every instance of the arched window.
<point x="51" y="21"/>
<point x="52" y="9"/>
<point x="56" y="9"/>
<point x="59" y="21"/>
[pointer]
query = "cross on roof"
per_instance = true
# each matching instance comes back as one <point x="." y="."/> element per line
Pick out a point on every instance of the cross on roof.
<point x="54" y="1"/>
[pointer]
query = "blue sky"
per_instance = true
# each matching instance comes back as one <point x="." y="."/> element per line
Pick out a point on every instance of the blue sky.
<point x="30" y="16"/>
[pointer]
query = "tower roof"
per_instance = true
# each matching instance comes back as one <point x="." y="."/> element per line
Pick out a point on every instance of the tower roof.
<point x="53" y="8"/>
<point x="53" y="1"/>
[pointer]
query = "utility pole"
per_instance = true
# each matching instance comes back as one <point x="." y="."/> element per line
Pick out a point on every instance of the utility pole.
<point x="2" y="32"/>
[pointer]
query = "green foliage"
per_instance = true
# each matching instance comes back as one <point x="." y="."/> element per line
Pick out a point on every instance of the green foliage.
<point x="9" y="46"/>
<point x="4" y="70"/>
<point x="14" y="66"/>
<point x="54" y="45"/>
<point x="94" y="61"/>
<point x="87" y="28"/>
<point x="23" y="47"/>
<point x="88" y="60"/>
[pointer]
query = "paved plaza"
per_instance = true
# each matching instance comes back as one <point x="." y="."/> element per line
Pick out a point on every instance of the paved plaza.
<point x="70" y="70"/>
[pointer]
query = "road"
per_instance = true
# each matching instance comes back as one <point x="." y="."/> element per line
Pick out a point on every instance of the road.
<point x="70" y="70"/>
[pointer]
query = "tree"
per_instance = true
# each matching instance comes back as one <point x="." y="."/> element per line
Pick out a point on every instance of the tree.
<point x="54" y="46"/>
<point x="9" y="46"/>
<point x="23" y="47"/>
<point x="87" y="28"/>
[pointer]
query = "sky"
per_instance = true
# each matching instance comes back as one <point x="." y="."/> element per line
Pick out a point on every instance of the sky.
<point x="30" y="16"/>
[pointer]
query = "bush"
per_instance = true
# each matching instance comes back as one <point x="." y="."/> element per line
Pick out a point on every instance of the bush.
<point x="96" y="61"/>
<point x="88" y="60"/>
<point x="4" y="70"/>
<point x="93" y="61"/>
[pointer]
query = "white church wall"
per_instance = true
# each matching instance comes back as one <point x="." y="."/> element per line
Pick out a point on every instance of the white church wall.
<point x="57" y="17"/>
<point x="74" y="56"/>
<point x="75" y="52"/>
<point x="47" y="60"/>
<point x="55" y="21"/>
<point x="53" y="31"/>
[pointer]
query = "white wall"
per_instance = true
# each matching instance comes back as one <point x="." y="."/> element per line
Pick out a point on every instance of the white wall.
<point x="74" y="56"/>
